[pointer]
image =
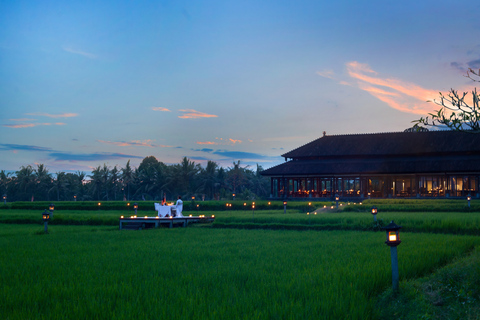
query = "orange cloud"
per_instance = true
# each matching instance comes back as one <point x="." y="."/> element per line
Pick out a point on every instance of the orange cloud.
<point x="205" y="142"/>
<point x="235" y="141"/>
<point x="160" y="109"/>
<point x="133" y="143"/>
<point x="398" y="94"/>
<point x="194" y="114"/>
<point x="62" y="115"/>
<point x="30" y="125"/>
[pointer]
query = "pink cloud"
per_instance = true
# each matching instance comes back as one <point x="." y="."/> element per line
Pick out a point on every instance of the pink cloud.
<point x="134" y="143"/>
<point x="398" y="94"/>
<point x="206" y="142"/>
<point x="160" y="109"/>
<point x="194" y="114"/>
<point x="61" y="115"/>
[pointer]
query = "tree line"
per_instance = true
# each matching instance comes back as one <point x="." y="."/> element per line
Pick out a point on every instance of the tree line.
<point x="152" y="180"/>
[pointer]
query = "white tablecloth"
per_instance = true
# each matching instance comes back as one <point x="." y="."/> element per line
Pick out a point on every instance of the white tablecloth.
<point x="164" y="210"/>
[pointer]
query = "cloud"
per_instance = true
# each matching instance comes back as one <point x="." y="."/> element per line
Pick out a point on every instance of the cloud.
<point x="400" y="95"/>
<point x="233" y="141"/>
<point x="238" y="154"/>
<point x="23" y="119"/>
<point x="203" y="150"/>
<point x="60" y="156"/>
<point x="457" y="65"/>
<point x="326" y="74"/>
<point x="160" y="109"/>
<point x="474" y="64"/>
<point x="194" y="114"/>
<point x="23" y="147"/>
<point x="79" y="52"/>
<point x="61" y="115"/>
<point x="134" y="143"/>
<point x="30" y="125"/>
<point x="206" y="142"/>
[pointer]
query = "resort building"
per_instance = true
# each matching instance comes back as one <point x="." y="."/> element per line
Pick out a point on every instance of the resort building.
<point x="381" y="165"/>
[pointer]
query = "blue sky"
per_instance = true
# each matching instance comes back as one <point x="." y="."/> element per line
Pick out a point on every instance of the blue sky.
<point x="87" y="83"/>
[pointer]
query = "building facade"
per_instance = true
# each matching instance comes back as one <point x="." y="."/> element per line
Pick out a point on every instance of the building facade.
<point x="381" y="165"/>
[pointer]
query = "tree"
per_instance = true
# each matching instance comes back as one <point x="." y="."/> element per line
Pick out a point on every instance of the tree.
<point x="456" y="112"/>
<point x="127" y="179"/>
<point x="26" y="182"/>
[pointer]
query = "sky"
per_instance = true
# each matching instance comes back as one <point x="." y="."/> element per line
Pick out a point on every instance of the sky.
<point x="87" y="83"/>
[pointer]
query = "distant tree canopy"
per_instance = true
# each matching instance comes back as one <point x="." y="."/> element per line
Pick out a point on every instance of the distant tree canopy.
<point x="150" y="181"/>
<point x="456" y="112"/>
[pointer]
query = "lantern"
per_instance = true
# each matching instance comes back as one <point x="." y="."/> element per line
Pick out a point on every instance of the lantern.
<point x="284" y="206"/>
<point x="393" y="240"/>
<point x="393" y="234"/>
<point x="51" y="207"/>
<point x="374" y="211"/>
<point x="135" y="207"/>
<point x="45" y="218"/>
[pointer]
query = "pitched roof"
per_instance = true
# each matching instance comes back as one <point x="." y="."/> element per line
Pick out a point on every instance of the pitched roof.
<point x="392" y="143"/>
<point x="384" y="153"/>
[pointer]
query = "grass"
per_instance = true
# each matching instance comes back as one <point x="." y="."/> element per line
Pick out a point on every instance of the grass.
<point x="100" y="272"/>
<point x="452" y="292"/>
<point x="262" y="264"/>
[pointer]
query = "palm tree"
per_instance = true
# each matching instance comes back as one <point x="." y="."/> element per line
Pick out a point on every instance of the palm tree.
<point x="96" y="184"/>
<point x="26" y="182"/>
<point x="127" y="178"/>
<point x="4" y="182"/>
<point x="44" y="181"/>
<point x="208" y="179"/>
<point x="60" y="185"/>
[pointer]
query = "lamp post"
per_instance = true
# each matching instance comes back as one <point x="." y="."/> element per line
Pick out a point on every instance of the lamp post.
<point x="75" y="197"/>
<point x="253" y="212"/>
<point x="233" y="196"/>
<point x="374" y="212"/>
<point x="135" y="207"/>
<point x="337" y="198"/>
<point x="197" y="208"/>
<point x="5" y="199"/>
<point x="51" y="208"/>
<point x="45" y="218"/>
<point x="469" y="197"/>
<point x="284" y="206"/>
<point x="393" y="240"/>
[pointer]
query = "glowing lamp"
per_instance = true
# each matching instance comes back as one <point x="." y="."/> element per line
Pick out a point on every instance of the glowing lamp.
<point x="190" y="215"/>
<point x="469" y="197"/>
<point x="393" y="234"/>
<point x="374" y="211"/>
<point x="45" y="216"/>
<point x="99" y="204"/>
<point x="213" y="216"/>
<point x="135" y="207"/>
<point x="51" y="207"/>
<point x="121" y="217"/>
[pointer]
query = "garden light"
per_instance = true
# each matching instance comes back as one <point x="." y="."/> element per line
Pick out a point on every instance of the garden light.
<point x="51" y="207"/>
<point x="374" y="212"/>
<point x="4" y="199"/>
<point x="284" y="206"/>
<point x="135" y="207"/>
<point x="337" y="198"/>
<point x="45" y="218"/>
<point x="75" y="197"/>
<point x="393" y="240"/>
<point x="469" y="197"/>
<point x="233" y="196"/>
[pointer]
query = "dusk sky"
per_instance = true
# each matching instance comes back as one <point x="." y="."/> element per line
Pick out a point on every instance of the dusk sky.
<point x="87" y="83"/>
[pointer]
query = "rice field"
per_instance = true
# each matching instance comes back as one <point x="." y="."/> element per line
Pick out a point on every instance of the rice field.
<point x="99" y="272"/>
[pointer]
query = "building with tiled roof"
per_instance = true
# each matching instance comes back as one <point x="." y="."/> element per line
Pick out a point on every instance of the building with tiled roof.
<point x="385" y="165"/>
